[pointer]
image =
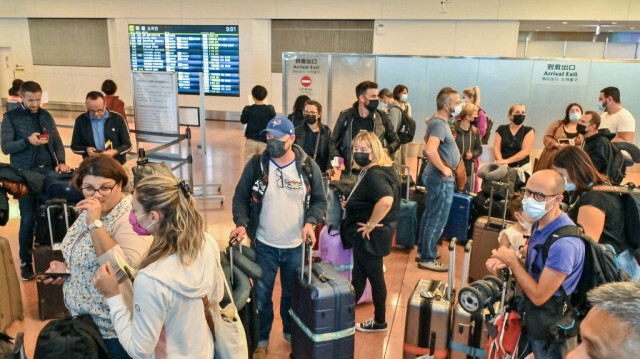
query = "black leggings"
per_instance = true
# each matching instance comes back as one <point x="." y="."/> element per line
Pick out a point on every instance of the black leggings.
<point x="367" y="266"/>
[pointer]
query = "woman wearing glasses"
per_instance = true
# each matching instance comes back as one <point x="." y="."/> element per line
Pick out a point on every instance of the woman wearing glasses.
<point x="314" y="136"/>
<point x="601" y="214"/>
<point x="101" y="232"/>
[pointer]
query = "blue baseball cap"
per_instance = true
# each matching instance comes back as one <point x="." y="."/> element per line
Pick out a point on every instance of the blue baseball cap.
<point x="279" y="127"/>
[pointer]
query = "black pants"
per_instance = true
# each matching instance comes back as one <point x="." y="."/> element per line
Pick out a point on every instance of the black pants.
<point x="367" y="266"/>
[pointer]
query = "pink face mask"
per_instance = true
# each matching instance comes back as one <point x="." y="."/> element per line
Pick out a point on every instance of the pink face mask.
<point x="133" y="220"/>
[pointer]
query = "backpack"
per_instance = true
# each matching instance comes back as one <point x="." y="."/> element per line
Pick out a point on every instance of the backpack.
<point x="485" y="138"/>
<point x="406" y="128"/>
<point x="631" y="202"/>
<point x="600" y="267"/>
<point x="71" y="338"/>
<point x="616" y="170"/>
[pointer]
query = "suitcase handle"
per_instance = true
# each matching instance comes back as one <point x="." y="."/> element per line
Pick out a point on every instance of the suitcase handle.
<point x="407" y="171"/>
<point x="467" y="260"/>
<point x="504" y="212"/>
<point x="452" y="266"/>
<point x="306" y="247"/>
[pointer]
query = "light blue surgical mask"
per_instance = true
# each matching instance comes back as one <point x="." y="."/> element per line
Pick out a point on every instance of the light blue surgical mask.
<point x="601" y="106"/>
<point x="456" y="110"/>
<point x="569" y="186"/>
<point x="575" y="116"/>
<point x="535" y="209"/>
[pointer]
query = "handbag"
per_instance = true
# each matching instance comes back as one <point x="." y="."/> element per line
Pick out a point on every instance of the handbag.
<point x="460" y="174"/>
<point x="505" y="344"/>
<point x="229" y="337"/>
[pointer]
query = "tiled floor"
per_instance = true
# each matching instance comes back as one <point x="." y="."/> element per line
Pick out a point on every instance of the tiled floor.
<point x="224" y="165"/>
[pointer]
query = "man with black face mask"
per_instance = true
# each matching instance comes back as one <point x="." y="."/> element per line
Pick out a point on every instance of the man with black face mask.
<point x="597" y="143"/>
<point x="314" y="136"/>
<point x="362" y="116"/>
<point x="278" y="201"/>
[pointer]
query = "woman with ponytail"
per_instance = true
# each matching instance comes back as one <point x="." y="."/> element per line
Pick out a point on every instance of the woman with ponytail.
<point x="180" y="269"/>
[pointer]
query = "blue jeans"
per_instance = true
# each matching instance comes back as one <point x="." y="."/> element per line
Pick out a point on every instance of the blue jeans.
<point x="438" y="204"/>
<point x="628" y="264"/>
<point x="554" y="351"/>
<point x="28" y="207"/>
<point x="270" y="259"/>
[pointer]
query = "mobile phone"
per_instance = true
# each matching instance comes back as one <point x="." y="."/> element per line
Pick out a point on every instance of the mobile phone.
<point x="566" y="141"/>
<point x="337" y="161"/>
<point x="44" y="136"/>
<point x="43" y="276"/>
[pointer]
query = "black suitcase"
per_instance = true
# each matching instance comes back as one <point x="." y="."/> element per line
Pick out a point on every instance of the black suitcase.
<point x="459" y="221"/>
<point x="322" y="313"/>
<point x="53" y="220"/>
<point x="50" y="297"/>
<point x="60" y="187"/>
<point x="408" y="218"/>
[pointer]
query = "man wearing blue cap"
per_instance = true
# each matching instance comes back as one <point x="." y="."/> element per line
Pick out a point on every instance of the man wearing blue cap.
<point x="278" y="201"/>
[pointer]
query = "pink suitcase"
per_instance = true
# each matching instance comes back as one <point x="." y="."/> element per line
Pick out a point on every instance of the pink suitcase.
<point x="332" y="252"/>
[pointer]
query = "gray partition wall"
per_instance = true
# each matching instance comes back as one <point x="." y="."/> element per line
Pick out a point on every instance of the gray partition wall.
<point x="545" y="86"/>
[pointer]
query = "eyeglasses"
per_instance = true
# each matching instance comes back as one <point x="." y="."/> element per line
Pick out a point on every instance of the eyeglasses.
<point x="310" y="113"/>
<point x="104" y="190"/>
<point x="538" y="196"/>
<point x="97" y="111"/>
<point x="280" y="182"/>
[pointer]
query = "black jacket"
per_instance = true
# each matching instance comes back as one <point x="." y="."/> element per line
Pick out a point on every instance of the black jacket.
<point x="467" y="141"/>
<point x="322" y="157"/>
<point x="598" y="147"/>
<point x="17" y="126"/>
<point x="33" y="180"/>
<point x="115" y="129"/>
<point x="342" y="133"/>
<point x="247" y="199"/>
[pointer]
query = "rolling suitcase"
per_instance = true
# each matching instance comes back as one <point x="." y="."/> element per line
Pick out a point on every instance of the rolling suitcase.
<point x="60" y="187"/>
<point x="408" y="218"/>
<point x="459" y="221"/>
<point x="485" y="238"/>
<point x="10" y="299"/>
<point x="428" y="320"/>
<point x="469" y="332"/>
<point x="50" y="297"/>
<point x="322" y="313"/>
<point x="53" y="220"/>
<point x="332" y="251"/>
<point x="248" y="309"/>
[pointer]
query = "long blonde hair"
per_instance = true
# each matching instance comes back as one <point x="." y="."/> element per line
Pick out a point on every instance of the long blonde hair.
<point x="182" y="229"/>
<point x="474" y="93"/>
<point x="380" y="157"/>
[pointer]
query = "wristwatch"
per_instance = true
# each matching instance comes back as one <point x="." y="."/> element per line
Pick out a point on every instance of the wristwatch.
<point x="96" y="224"/>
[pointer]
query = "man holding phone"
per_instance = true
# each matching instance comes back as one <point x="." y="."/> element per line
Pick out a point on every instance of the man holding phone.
<point x="30" y="137"/>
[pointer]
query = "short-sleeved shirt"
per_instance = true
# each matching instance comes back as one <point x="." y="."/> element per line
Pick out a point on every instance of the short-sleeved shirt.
<point x="614" y="216"/>
<point x="448" y="150"/>
<point x="282" y="214"/>
<point x="378" y="182"/>
<point x="257" y="117"/>
<point x="621" y="121"/>
<point x="510" y="144"/>
<point x="566" y="255"/>
<point x="516" y="239"/>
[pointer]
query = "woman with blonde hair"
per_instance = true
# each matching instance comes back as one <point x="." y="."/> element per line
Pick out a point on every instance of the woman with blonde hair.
<point x="468" y="141"/>
<point x="370" y="219"/>
<point x="472" y="95"/>
<point x="180" y="269"/>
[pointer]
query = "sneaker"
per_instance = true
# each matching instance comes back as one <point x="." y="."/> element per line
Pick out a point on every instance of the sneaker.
<point x="434" y="266"/>
<point x="418" y="259"/>
<point x="260" y="353"/>
<point x="287" y="338"/>
<point x="26" y="271"/>
<point x="371" y="326"/>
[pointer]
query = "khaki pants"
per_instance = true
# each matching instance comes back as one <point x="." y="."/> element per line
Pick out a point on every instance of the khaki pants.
<point x="252" y="147"/>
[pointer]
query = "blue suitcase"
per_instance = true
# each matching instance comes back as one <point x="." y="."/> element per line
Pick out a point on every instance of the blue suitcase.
<point x="408" y="218"/>
<point x="459" y="221"/>
<point x="322" y="313"/>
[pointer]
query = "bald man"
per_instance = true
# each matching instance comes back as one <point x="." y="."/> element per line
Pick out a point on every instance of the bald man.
<point x="545" y="284"/>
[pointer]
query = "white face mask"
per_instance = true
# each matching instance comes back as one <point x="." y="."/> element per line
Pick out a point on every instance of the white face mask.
<point x="456" y="110"/>
<point x="575" y="116"/>
<point x="383" y="105"/>
<point x="404" y="97"/>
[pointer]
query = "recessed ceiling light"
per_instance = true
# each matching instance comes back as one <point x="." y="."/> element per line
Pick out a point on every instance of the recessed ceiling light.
<point x="548" y="27"/>
<point x="565" y="22"/>
<point x="537" y="30"/>
<point x="632" y="28"/>
<point x="614" y="23"/>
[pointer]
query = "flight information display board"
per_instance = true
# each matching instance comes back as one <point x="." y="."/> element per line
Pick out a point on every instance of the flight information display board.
<point x="189" y="50"/>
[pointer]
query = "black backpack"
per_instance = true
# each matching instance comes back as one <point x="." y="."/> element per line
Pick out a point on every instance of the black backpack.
<point x="600" y="266"/>
<point x="71" y="338"/>
<point x="407" y="127"/>
<point x="616" y="170"/>
<point x="630" y="194"/>
<point x="485" y="138"/>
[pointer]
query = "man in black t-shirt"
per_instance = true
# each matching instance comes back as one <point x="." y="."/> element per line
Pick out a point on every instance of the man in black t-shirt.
<point x="256" y="117"/>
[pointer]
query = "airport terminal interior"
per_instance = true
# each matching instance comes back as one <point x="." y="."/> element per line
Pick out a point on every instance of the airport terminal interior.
<point x="323" y="49"/>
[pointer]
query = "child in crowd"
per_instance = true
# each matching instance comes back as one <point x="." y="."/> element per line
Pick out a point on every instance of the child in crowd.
<point x="256" y="117"/>
<point x="515" y="237"/>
